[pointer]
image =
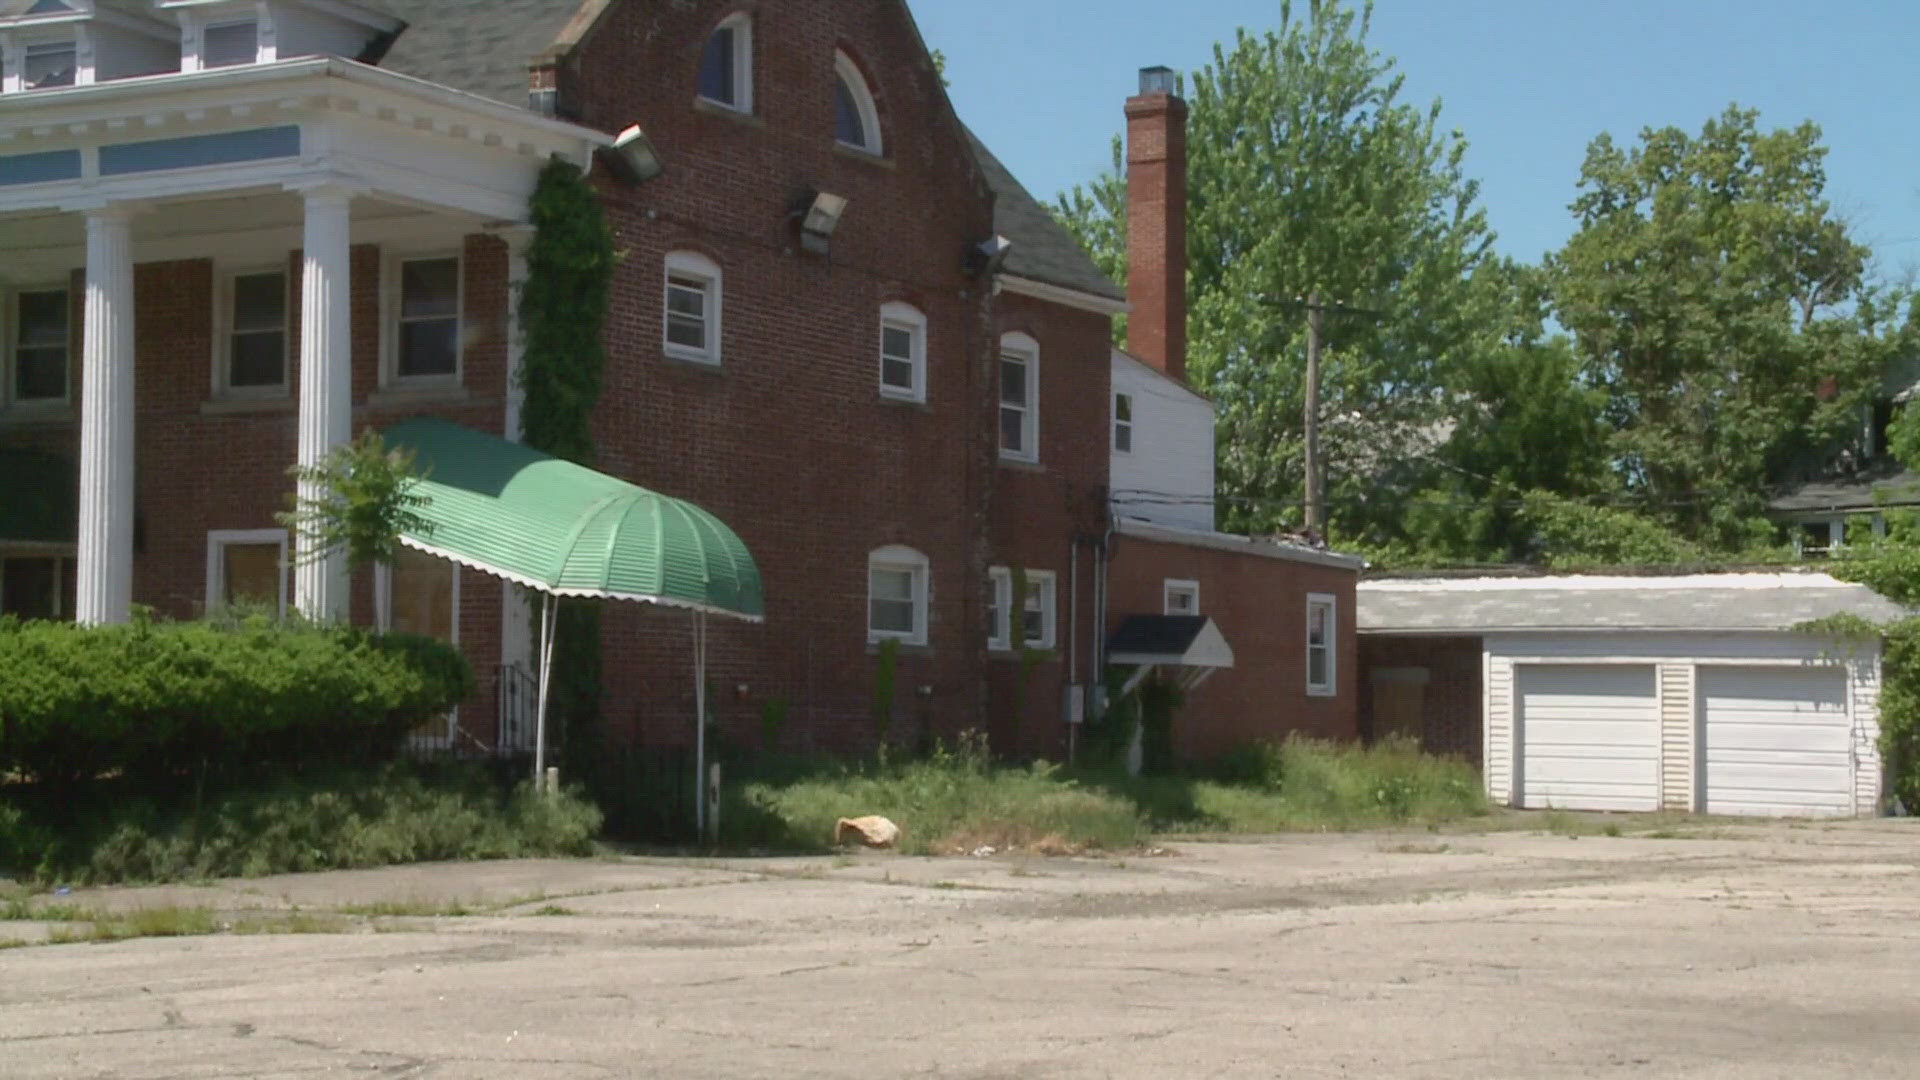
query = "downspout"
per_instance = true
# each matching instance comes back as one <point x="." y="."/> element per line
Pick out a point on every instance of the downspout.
<point x="1073" y="644"/>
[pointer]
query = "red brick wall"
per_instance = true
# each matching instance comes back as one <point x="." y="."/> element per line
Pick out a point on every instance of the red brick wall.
<point x="1452" y="700"/>
<point x="1039" y="509"/>
<point x="788" y="441"/>
<point x="1260" y="605"/>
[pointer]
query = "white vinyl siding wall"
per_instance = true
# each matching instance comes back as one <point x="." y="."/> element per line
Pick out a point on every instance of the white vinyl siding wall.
<point x="1681" y="660"/>
<point x="1172" y="450"/>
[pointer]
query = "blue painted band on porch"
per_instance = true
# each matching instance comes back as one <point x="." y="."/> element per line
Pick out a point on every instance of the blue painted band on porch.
<point x="39" y="168"/>
<point x="256" y="144"/>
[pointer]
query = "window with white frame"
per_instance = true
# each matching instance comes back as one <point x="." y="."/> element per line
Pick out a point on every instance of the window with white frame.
<point x="253" y="362"/>
<point x="691" y="328"/>
<point x="1180" y="597"/>
<point x="856" y="121"/>
<point x="903" y="353"/>
<point x="897" y="595"/>
<point x="47" y="64"/>
<point x="41" y="346"/>
<point x="1322" y="630"/>
<point x="247" y="568"/>
<point x="1123" y="423"/>
<point x="726" y="65"/>
<point x="230" y="42"/>
<point x="427" y="320"/>
<point x="37" y="584"/>
<point x="1019" y="398"/>
<point x="1038" y="618"/>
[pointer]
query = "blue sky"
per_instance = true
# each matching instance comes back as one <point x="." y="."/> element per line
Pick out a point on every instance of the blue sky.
<point x="1530" y="83"/>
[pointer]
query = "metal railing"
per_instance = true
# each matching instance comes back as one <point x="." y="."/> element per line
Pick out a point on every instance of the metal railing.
<point x="516" y="693"/>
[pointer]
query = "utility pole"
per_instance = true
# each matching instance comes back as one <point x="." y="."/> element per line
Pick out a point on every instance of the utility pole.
<point x="1316" y="515"/>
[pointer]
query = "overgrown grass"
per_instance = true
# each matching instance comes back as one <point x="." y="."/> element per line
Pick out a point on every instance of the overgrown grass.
<point x="342" y="821"/>
<point x="168" y="921"/>
<point x="957" y="801"/>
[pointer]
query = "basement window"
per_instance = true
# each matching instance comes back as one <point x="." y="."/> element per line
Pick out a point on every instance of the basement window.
<point x="37" y="586"/>
<point x="247" y="569"/>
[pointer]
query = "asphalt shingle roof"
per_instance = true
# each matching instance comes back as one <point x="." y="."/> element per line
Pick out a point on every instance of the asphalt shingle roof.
<point x="1693" y="602"/>
<point x="483" y="47"/>
<point x="1042" y="248"/>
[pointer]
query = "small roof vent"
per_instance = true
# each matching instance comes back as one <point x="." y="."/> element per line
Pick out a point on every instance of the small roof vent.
<point x="1156" y="80"/>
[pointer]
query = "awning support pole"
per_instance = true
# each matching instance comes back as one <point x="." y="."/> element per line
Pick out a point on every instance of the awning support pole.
<point x="700" y="722"/>
<point x="548" y="624"/>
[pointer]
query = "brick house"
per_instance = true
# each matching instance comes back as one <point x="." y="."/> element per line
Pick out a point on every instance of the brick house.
<point x="233" y="232"/>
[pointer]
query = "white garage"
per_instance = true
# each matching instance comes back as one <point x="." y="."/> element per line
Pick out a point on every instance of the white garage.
<point x="1696" y="693"/>
<point x="1590" y="736"/>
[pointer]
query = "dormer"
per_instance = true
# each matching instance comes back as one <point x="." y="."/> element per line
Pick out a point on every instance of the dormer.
<point x="227" y="33"/>
<point x="46" y="44"/>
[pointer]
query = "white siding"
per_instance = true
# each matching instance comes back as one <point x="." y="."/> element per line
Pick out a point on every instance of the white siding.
<point x="1680" y="657"/>
<point x="1168" y="476"/>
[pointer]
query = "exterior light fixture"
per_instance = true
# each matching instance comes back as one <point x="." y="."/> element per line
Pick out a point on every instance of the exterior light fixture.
<point x="987" y="256"/>
<point x="819" y="216"/>
<point x="632" y="157"/>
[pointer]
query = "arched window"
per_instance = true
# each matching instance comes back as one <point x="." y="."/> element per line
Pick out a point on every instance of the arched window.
<point x="897" y="595"/>
<point x="690" y="319"/>
<point x="726" y="67"/>
<point x="856" y="123"/>
<point x="1019" y="398"/>
<point x="903" y="352"/>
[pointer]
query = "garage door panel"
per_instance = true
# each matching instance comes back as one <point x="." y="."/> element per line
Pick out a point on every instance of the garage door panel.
<point x="1776" y="741"/>
<point x="1589" y="737"/>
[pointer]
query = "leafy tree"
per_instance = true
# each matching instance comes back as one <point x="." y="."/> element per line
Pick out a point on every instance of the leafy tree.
<point x="1716" y="299"/>
<point x="1307" y="172"/>
<point x="367" y="498"/>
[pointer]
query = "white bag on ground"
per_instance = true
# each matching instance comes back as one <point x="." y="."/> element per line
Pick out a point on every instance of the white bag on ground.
<point x="873" y="831"/>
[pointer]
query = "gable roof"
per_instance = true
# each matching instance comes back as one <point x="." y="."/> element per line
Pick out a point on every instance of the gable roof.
<point x="483" y="47"/>
<point x="1042" y="248"/>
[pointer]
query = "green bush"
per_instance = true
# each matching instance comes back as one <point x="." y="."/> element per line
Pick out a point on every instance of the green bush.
<point x="344" y="820"/>
<point x="164" y="699"/>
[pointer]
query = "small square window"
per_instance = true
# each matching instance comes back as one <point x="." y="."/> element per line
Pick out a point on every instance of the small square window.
<point x="48" y="64"/>
<point x="1181" y="597"/>
<point x="428" y="346"/>
<point x="1123" y="423"/>
<point x="230" y="43"/>
<point x="41" y="346"/>
<point x="247" y="568"/>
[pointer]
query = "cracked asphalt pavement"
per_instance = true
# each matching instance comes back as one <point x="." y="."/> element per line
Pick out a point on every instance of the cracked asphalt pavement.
<point x="1778" y="950"/>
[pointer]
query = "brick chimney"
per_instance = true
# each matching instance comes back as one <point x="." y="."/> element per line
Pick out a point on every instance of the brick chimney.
<point x="1157" y="223"/>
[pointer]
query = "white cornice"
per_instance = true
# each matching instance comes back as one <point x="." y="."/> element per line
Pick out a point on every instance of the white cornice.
<point x="1056" y="294"/>
<point x="1243" y="545"/>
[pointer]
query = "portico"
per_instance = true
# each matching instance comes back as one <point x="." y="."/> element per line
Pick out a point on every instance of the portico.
<point x="243" y="166"/>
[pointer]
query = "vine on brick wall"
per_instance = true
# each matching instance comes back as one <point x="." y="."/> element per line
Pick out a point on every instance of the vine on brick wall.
<point x="563" y="306"/>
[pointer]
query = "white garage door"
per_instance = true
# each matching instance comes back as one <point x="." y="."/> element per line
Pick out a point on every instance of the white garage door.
<point x="1777" y="741"/>
<point x="1589" y="737"/>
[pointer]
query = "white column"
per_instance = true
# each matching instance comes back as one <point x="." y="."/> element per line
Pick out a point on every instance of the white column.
<point x="326" y="380"/>
<point x="104" y="586"/>
<point x="516" y="607"/>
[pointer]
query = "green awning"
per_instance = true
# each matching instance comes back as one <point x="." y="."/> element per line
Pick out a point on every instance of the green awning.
<point x="564" y="529"/>
<point x="39" y="497"/>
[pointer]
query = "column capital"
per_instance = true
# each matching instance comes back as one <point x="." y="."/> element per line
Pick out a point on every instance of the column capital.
<point x="105" y="210"/>
<point x="327" y="190"/>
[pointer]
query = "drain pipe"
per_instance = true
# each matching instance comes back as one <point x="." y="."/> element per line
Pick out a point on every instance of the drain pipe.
<point x="1073" y="648"/>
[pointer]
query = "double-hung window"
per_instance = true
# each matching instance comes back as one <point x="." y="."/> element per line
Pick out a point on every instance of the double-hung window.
<point x="256" y="340"/>
<point x="726" y="65"/>
<point x="1037" y="618"/>
<point x="47" y="64"/>
<point x="897" y="596"/>
<point x="1019" y="398"/>
<point x="427" y="337"/>
<point x="1123" y="423"/>
<point x="1321" y="634"/>
<point x="903" y="353"/>
<point x="691" y="323"/>
<point x="41" y="346"/>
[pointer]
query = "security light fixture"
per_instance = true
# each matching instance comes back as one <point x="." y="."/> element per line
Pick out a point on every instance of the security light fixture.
<point x="632" y="157"/>
<point x="987" y="256"/>
<point x="819" y="215"/>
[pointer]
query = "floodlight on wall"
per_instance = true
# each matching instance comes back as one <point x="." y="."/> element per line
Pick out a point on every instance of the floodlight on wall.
<point x="987" y="256"/>
<point x="632" y="157"/>
<point x="819" y="215"/>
